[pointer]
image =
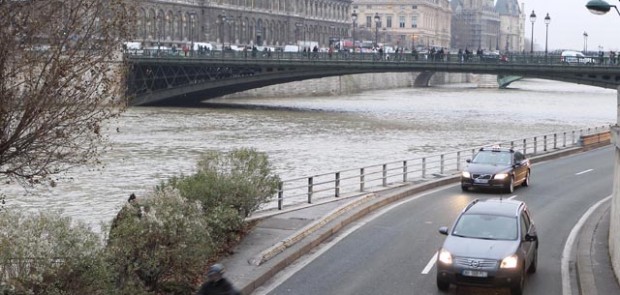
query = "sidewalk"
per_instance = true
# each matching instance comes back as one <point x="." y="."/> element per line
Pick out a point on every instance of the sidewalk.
<point x="281" y="237"/>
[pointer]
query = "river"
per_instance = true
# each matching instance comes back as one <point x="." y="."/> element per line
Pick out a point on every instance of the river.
<point x="311" y="135"/>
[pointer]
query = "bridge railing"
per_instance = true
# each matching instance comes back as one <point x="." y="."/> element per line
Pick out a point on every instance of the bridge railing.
<point x="508" y="58"/>
<point x="372" y="178"/>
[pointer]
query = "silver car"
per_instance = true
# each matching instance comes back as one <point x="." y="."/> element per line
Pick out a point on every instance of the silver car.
<point x="493" y="243"/>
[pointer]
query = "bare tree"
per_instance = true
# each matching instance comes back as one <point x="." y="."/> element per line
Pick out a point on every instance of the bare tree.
<point x="61" y="76"/>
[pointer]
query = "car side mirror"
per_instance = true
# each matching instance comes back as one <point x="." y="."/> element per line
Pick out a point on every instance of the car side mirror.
<point x="531" y="237"/>
<point x="468" y="160"/>
<point x="443" y="230"/>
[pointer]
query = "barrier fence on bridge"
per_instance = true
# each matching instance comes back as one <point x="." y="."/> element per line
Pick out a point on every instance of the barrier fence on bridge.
<point x="381" y="176"/>
<point x="510" y="57"/>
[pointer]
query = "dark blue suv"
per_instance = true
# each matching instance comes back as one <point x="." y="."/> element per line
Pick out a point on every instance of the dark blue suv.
<point x="493" y="243"/>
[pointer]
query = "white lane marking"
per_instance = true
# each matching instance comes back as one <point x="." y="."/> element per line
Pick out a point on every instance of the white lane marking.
<point x="430" y="264"/>
<point x="568" y="247"/>
<point x="301" y="262"/>
<point x="512" y="198"/>
<point x="584" y="172"/>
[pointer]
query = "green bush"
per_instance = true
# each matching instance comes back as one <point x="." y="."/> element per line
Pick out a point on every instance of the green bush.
<point x="46" y="253"/>
<point x="163" y="249"/>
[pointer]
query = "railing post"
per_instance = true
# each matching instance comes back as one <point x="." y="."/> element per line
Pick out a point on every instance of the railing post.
<point x="573" y="139"/>
<point x="555" y="141"/>
<point x="362" y="179"/>
<point x="337" y="184"/>
<point x="441" y="164"/>
<point x="545" y="143"/>
<point x="458" y="161"/>
<point x="310" y="189"/>
<point x="535" y="145"/>
<point x="423" y="167"/>
<point x="384" y="174"/>
<point x="404" y="171"/>
<point x="512" y="145"/>
<point x="564" y="139"/>
<point x="525" y="146"/>
<point x="280" y="195"/>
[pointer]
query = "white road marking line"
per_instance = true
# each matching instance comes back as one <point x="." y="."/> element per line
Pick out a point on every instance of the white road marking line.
<point x="514" y="196"/>
<point x="585" y="171"/>
<point x="430" y="264"/>
<point x="568" y="247"/>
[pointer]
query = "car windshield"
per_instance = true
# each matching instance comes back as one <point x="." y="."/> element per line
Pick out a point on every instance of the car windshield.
<point x="496" y="158"/>
<point x="482" y="226"/>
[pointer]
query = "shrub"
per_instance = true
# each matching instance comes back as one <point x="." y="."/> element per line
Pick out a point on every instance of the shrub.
<point x="46" y="253"/>
<point x="162" y="250"/>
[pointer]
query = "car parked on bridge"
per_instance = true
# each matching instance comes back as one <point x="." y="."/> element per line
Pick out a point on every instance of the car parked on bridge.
<point x="493" y="243"/>
<point x="575" y="57"/>
<point x="496" y="167"/>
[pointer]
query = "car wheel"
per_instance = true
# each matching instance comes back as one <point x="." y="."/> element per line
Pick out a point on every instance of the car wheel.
<point x="442" y="285"/>
<point x="510" y="188"/>
<point x="517" y="289"/>
<point x="464" y="188"/>
<point x="534" y="264"/>
<point x="526" y="181"/>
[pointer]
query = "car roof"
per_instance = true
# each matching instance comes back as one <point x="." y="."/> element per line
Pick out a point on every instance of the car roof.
<point x="494" y="207"/>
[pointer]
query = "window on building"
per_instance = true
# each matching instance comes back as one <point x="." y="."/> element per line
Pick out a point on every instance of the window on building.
<point x="354" y="6"/>
<point x="389" y="21"/>
<point x="368" y="6"/>
<point x="401" y="21"/>
<point x="368" y="21"/>
<point x="414" y="7"/>
<point x="414" y="21"/>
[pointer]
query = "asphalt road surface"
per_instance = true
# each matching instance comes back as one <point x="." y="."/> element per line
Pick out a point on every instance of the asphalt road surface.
<point x="392" y="252"/>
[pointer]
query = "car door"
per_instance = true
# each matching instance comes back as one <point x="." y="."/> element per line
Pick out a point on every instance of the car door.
<point x="520" y="167"/>
<point x="527" y="247"/>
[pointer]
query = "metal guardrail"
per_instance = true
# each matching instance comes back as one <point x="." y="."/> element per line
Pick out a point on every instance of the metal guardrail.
<point x="416" y="170"/>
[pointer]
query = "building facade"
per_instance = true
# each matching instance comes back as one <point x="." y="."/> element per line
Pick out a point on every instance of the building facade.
<point x="403" y="23"/>
<point x="512" y="22"/>
<point x="241" y="22"/>
<point x="475" y="25"/>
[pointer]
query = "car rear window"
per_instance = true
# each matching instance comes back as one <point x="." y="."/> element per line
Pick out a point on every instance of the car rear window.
<point x="482" y="226"/>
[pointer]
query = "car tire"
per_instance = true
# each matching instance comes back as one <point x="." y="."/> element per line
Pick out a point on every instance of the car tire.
<point x="510" y="188"/>
<point x="464" y="188"/>
<point x="442" y="285"/>
<point x="534" y="264"/>
<point x="526" y="181"/>
<point x="517" y="289"/>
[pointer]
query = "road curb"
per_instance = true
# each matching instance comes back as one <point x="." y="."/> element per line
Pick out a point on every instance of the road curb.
<point x="584" y="264"/>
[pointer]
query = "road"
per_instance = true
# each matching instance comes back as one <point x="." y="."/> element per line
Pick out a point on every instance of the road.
<point x="392" y="251"/>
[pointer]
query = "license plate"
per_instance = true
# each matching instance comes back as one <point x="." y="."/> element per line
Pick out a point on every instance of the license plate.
<point x="475" y="273"/>
<point x="481" y="180"/>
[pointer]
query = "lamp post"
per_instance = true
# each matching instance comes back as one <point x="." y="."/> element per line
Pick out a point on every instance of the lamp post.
<point x="191" y="29"/>
<point x="377" y="23"/>
<point x="533" y="20"/>
<point x="354" y="18"/>
<point x="600" y="7"/>
<point x="547" y="21"/>
<point x="585" y="42"/>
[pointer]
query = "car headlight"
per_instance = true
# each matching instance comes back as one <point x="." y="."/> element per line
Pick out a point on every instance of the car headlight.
<point x="500" y="176"/>
<point x="510" y="262"/>
<point x="445" y="257"/>
<point x="466" y="174"/>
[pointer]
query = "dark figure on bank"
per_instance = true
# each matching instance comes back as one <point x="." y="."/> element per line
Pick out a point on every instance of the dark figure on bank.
<point x="216" y="284"/>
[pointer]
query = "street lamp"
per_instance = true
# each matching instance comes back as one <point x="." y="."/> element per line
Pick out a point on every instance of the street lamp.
<point x="532" y="19"/>
<point x="600" y="7"/>
<point x="377" y="23"/>
<point x="585" y="42"/>
<point x="547" y="21"/>
<point x="354" y="18"/>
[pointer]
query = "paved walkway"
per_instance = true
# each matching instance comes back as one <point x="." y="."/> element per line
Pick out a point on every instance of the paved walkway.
<point x="281" y="237"/>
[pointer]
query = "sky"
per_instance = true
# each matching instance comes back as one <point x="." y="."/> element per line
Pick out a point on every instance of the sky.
<point x="569" y="20"/>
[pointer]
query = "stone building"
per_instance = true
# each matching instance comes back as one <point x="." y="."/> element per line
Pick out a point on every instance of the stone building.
<point x="405" y="23"/>
<point x="241" y="22"/>
<point x="512" y="21"/>
<point x="475" y="24"/>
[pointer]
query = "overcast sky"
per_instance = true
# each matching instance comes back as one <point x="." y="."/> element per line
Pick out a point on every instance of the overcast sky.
<point x="569" y="20"/>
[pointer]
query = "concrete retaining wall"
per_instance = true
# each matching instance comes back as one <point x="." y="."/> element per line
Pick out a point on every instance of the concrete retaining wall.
<point x="349" y="84"/>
